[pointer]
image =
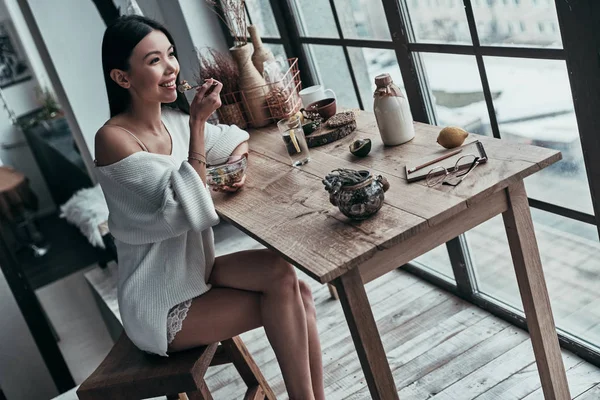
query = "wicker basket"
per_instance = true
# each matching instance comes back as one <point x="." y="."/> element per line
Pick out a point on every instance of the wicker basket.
<point x="282" y="99"/>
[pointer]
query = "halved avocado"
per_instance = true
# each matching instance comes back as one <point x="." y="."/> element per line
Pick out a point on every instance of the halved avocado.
<point x="360" y="147"/>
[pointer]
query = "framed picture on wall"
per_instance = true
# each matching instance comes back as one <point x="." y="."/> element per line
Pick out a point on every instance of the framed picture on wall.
<point x="14" y="67"/>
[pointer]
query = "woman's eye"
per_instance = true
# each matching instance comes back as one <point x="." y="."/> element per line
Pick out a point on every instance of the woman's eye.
<point x="172" y="54"/>
<point x="154" y="60"/>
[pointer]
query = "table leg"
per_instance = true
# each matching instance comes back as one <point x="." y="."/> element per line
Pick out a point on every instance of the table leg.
<point x="366" y="337"/>
<point x="534" y="294"/>
<point x="333" y="292"/>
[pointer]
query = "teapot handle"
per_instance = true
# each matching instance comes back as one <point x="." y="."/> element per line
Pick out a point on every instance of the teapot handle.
<point x="384" y="182"/>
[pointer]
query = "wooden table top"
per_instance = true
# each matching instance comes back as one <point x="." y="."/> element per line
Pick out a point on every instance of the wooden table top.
<point x="287" y="208"/>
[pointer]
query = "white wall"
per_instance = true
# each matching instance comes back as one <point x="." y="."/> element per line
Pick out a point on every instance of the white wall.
<point x="75" y="48"/>
<point x="72" y="31"/>
<point x="23" y="373"/>
<point x="203" y="25"/>
<point x="203" y="30"/>
<point x="21" y="98"/>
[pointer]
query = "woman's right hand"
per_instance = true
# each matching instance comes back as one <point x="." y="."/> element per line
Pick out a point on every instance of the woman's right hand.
<point x="204" y="105"/>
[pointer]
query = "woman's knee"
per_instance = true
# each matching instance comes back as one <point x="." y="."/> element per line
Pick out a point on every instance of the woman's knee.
<point x="307" y="299"/>
<point x="282" y="275"/>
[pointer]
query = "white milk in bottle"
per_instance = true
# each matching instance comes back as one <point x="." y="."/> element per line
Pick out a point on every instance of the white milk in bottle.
<point x="392" y="112"/>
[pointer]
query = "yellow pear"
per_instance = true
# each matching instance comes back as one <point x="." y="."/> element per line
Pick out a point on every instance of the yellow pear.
<point x="451" y="137"/>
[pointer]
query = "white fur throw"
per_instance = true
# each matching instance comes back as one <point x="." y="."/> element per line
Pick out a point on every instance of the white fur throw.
<point x="87" y="209"/>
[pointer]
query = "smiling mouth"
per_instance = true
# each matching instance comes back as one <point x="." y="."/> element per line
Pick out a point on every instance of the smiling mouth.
<point x="168" y="84"/>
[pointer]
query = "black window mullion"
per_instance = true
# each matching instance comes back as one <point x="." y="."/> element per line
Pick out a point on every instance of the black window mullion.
<point x="414" y="86"/>
<point x="290" y="38"/>
<point x="338" y="25"/>
<point x="248" y="13"/>
<point x="373" y="44"/>
<point x="562" y="211"/>
<point x="487" y="93"/>
<point x="493" y="51"/>
<point x="581" y="40"/>
<point x="461" y="266"/>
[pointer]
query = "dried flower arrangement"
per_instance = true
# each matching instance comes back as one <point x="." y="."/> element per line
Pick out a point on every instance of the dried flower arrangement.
<point x="220" y="66"/>
<point x="233" y="15"/>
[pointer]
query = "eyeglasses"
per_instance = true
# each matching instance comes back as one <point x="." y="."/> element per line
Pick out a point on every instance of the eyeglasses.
<point x="455" y="175"/>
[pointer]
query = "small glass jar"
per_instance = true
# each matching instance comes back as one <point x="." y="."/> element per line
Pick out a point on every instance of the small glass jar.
<point x="294" y="139"/>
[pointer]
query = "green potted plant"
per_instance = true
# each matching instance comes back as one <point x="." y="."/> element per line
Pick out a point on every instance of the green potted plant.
<point x="50" y="115"/>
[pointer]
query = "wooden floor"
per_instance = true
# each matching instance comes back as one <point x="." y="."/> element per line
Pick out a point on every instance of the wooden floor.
<point x="69" y="252"/>
<point x="571" y="268"/>
<point x="439" y="347"/>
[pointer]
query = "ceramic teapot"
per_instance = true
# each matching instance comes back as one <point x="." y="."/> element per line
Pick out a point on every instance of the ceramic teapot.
<point x="357" y="194"/>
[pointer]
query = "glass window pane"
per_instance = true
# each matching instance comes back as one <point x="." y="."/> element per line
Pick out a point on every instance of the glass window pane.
<point x="262" y="16"/>
<point x="494" y="271"/>
<point x="367" y="64"/>
<point x="315" y="18"/>
<point x="534" y="106"/>
<point x="456" y="90"/>
<point x="277" y="49"/>
<point x="362" y="19"/>
<point x="439" y="21"/>
<point x="569" y="251"/>
<point x="517" y="23"/>
<point x="437" y="260"/>
<point x="332" y="72"/>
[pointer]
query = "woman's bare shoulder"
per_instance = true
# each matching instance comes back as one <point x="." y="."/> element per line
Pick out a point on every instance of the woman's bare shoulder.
<point x="113" y="143"/>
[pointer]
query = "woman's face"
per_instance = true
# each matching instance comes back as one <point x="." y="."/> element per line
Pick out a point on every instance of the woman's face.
<point x="153" y="69"/>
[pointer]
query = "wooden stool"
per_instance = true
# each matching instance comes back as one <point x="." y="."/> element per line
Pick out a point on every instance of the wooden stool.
<point x="129" y="373"/>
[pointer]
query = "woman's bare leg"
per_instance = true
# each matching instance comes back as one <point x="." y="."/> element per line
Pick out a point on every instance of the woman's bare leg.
<point x="218" y="315"/>
<point x="279" y="308"/>
<point x="314" y="343"/>
<point x="282" y="310"/>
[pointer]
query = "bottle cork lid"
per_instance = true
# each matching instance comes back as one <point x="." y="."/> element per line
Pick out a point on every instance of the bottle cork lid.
<point x="383" y="80"/>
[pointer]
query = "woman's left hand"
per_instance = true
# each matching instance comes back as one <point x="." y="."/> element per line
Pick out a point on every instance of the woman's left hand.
<point x="240" y="151"/>
<point x="233" y="188"/>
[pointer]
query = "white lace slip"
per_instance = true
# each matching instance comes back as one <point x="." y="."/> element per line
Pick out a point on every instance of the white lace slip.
<point x="175" y="319"/>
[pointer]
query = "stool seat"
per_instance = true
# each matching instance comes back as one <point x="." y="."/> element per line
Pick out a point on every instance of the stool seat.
<point x="129" y="373"/>
<point x="15" y="194"/>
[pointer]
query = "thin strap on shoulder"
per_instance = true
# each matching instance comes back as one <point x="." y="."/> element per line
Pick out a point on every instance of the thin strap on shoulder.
<point x="135" y="137"/>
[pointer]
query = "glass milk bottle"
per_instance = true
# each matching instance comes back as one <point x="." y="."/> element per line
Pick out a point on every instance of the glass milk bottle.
<point x="392" y="112"/>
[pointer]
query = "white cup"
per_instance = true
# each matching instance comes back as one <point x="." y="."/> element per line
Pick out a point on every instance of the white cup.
<point x="315" y="93"/>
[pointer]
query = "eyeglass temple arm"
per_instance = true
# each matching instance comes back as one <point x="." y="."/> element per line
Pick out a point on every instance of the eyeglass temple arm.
<point x="475" y="163"/>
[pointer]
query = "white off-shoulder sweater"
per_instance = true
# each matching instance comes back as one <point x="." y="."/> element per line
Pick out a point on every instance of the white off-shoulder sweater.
<point x="161" y="215"/>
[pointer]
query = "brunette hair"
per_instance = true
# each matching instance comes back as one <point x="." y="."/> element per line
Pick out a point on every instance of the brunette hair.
<point x="120" y="37"/>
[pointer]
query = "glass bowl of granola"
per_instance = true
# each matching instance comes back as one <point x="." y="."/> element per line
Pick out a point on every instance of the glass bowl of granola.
<point x="224" y="172"/>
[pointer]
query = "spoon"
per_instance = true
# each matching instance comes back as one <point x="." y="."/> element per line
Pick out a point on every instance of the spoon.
<point x="185" y="86"/>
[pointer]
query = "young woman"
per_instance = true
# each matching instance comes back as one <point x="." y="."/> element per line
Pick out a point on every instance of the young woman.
<point x="151" y="162"/>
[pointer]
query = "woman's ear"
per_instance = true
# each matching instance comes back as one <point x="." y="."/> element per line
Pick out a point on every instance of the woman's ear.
<point x="120" y="78"/>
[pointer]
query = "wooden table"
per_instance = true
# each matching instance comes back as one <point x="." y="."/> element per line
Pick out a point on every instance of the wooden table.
<point x="287" y="209"/>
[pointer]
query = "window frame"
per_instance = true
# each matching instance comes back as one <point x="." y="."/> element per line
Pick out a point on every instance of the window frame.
<point x="574" y="22"/>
